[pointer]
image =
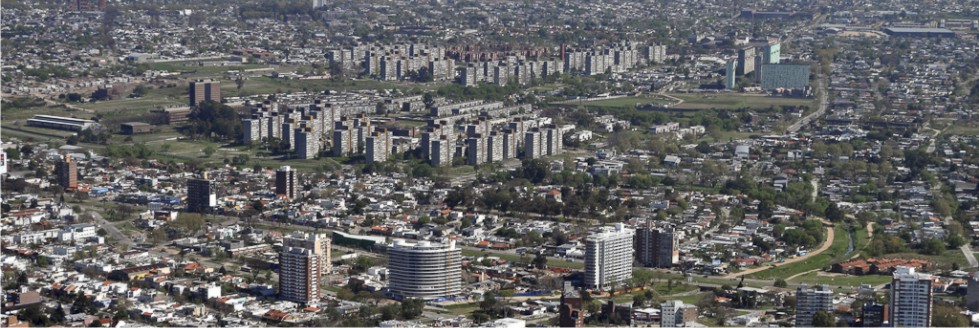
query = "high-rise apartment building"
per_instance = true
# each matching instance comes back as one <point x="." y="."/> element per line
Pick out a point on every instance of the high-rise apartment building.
<point x="286" y="182"/>
<point x="809" y="301"/>
<point x="299" y="275"/>
<point x="746" y="60"/>
<point x="200" y="195"/>
<point x="730" y="79"/>
<point x="204" y="90"/>
<point x="424" y="270"/>
<point x="608" y="257"/>
<point x="911" y="298"/>
<point x="67" y="171"/>
<point x="319" y="243"/>
<point x="657" y="247"/>
<point x="379" y="146"/>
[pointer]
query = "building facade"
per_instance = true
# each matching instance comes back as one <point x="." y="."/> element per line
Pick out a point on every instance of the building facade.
<point x="809" y="301"/>
<point x="286" y="182"/>
<point x="204" y="90"/>
<point x="424" y="270"/>
<point x="911" y="298"/>
<point x="319" y="243"/>
<point x="608" y="257"/>
<point x="657" y="247"/>
<point x="67" y="173"/>
<point x="200" y="195"/>
<point x="299" y="275"/>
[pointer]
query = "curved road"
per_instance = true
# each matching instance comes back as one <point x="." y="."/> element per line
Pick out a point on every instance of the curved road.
<point x="830" y="236"/>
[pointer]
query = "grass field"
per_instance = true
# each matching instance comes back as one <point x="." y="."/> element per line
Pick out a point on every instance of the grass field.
<point x="735" y="101"/>
<point x="941" y="262"/>
<point x="627" y="102"/>
<point x="517" y="258"/>
<point x="835" y="252"/>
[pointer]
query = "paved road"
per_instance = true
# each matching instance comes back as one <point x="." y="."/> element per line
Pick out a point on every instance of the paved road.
<point x="823" y="104"/>
<point x="114" y="232"/>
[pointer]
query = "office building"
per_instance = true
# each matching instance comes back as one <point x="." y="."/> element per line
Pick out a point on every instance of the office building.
<point x="911" y="298"/>
<point x="204" y="90"/>
<point x="785" y="76"/>
<point x="608" y="257"/>
<point x="875" y="315"/>
<point x="677" y="314"/>
<point x="299" y="275"/>
<point x="286" y="182"/>
<point x="730" y="79"/>
<point x="319" y="243"/>
<point x="200" y="195"/>
<point x="809" y="301"/>
<point x="424" y="270"/>
<point x="657" y="247"/>
<point x="67" y="171"/>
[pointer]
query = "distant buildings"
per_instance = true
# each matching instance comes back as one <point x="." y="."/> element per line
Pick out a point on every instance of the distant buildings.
<point x="200" y="195"/>
<point x="67" y="171"/>
<point x="677" y="314"/>
<point x="911" y="298"/>
<point x="809" y="301"/>
<point x="286" y="182"/>
<point x="746" y="61"/>
<point x="87" y="5"/>
<point x="62" y="123"/>
<point x="424" y="270"/>
<point x="608" y="257"/>
<point x="657" y="247"/>
<point x="204" y="90"/>
<point x="299" y="275"/>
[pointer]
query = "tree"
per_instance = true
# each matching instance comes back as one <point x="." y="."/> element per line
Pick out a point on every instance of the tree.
<point x="209" y="150"/>
<point x="780" y="283"/>
<point x="429" y="100"/>
<point x="101" y="94"/>
<point x="833" y="213"/>
<point x="823" y="319"/>
<point x="412" y="308"/>
<point x="932" y="247"/>
<point x="947" y="316"/>
<point x="540" y="261"/>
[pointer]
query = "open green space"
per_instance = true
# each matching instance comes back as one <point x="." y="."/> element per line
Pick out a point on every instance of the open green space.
<point x="814" y="278"/>
<point x="627" y="102"/>
<point x="835" y="253"/>
<point x="735" y="101"/>
<point x="518" y="258"/>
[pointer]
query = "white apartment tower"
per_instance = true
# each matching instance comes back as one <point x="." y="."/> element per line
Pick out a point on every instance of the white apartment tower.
<point x="911" y="297"/>
<point x="608" y="257"/>
<point x="809" y="301"/>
